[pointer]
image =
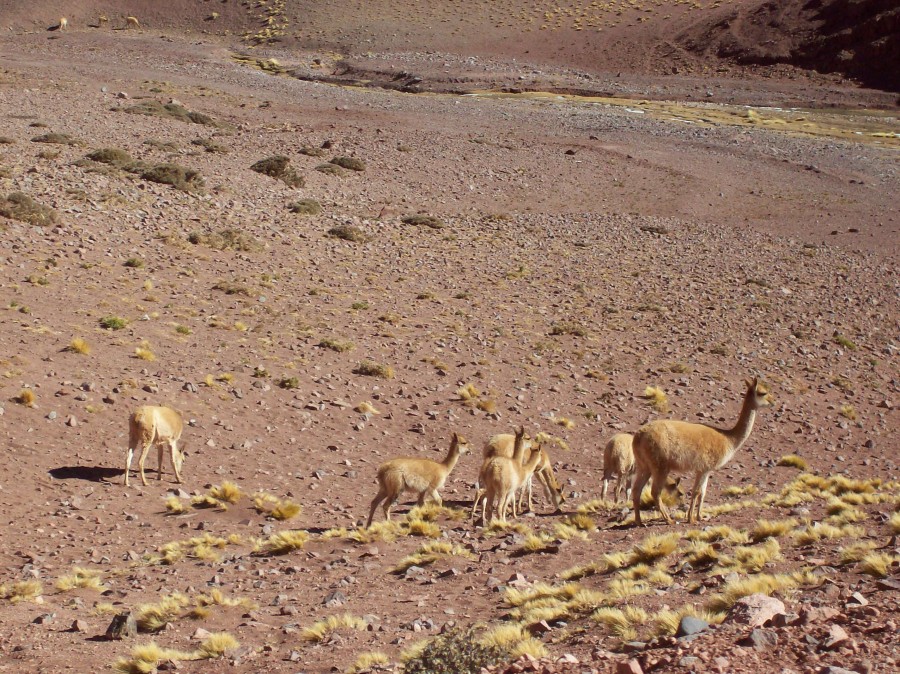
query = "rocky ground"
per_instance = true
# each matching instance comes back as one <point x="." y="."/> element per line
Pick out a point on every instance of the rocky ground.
<point x="575" y="253"/>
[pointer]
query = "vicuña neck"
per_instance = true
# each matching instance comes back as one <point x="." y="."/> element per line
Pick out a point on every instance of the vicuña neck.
<point x="744" y="426"/>
<point x="453" y="455"/>
<point x="519" y="449"/>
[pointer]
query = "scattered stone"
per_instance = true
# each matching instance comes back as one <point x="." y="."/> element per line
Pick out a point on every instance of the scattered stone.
<point x="817" y="614"/>
<point x="836" y="670"/>
<point x="122" y="626"/>
<point x="836" y="636"/>
<point x="336" y="598"/>
<point x="761" y="640"/>
<point x="629" y="667"/>
<point x="857" y="599"/>
<point x="44" y="619"/>
<point x="200" y="634"/>
<point x="79" y="626"/>
<point x="755" y="610"/>
<point x="690" y="625"/>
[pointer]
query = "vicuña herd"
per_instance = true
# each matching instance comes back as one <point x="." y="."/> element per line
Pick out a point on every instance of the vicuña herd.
<point x="510" y="461"/>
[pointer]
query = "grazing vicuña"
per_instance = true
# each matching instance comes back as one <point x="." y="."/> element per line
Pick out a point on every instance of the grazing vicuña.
<point x="618" y="461"/>
<point x="149" y="425"/>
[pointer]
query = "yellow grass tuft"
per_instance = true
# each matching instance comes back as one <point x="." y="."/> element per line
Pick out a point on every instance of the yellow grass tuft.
<point x="382" y="530"/>
<point x="216" y="645"/>
<point x="420" y="527"/>
<point x="816" y="531"/>
<point x="276" y="508"/>
<point x="653" y="548"/>
<point x="174" y="506"/>
<point x="622" y="588"/>
<point x="877" y="564"/>
<point x="145" y="658"/>
<point x="750" y="558"/>
<point x="515" y="640"/>
<point x="700" y="554"/>
<point x="758" y="584"/>
<point x="565" y="422"/>
<point x="771" y="529"/>
<point x="498" y="528"/>
<point x="367" y="661"/>
<point x="793" y="461"/>
<point x="144" y="353"/>
<point x="657" y="399"/>
<point x="735" y="491"/>
<point x="516" y="597"/>
<point x="894" y="522"/>
<point x="153" y="617"/>
<point x="79" y="345"/>
<point x="80" y="577"/>
<point x="216" y="597"/>
<point x="468" y="392"/>
<point x="25" y="590"/>
<point x="26" y="397"/>
<point x="317" y="632"/>
<point x="595" y="506"/>
<point x="621" y="622"/>
<point x="854" y="553"/>
<point x="227" y="491"/>
<point x="207" y="501"/>
<point x="366" y="408"/>
<point x="581" y="521"/>
<point x="721" y="532"/>
<point x="666" y="621"/>
<point x="430" y="553"/>
<point x="655" y="575"/>
<point x="487" y="406"/>
<point x="282" y="543"/>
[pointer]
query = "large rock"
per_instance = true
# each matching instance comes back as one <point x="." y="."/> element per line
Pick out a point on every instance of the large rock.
<point x="690" y="625"/>
<point x="755" y="610"/>
<point x="629" y="667"/>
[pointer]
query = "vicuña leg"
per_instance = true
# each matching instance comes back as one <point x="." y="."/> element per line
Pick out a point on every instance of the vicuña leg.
<point x="659" y="482"/>
<point x="641" y="477"/>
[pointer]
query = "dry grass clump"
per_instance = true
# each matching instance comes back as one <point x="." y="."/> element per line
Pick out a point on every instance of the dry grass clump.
<point x="274" y="507"/>
<point x="282" y="543"/>
<point x="757" y="584"/>
<point x="179" y="177"/>
<point x="771" y="529"/>
<point x="153" y="617"/>
<point x="338" y="345"/>
<point x="350" y="233"/>
<point x="80" y="578"/>
<point x="305" y="207"/>
<point x="232" y="288"/>
<point x="317" y="632"/>
<point x="21" y="207"/>
<point x="621" y="622"/>
<point x="349" y="163"/>
<point x="657" y="399"/>
<point x="174" y="506"/>
<point x="515" y="640"/>
<point x="855" y="552"/>
<point x="877" y="564"/>
<point x="331" y="169"/>
<point x="111" y="155"/>
<point x="210" y="145"/>
<point x="226" y="239"/>
<point x="793" y="461"/>
<point x="26" y="397"/>
<point x="25" y="590"/>
<point x="171" y="111"/>
<point x="144" y="353"/>
<point x="310" y="151"/>
<point x="894" y="522"/>
<point x="367" y="368"/>
<point x="366" y="662"/>
<point x="468" y="392"/>
<point x="113" y="323"/>
<point x="734" y="491"/>
<point x="666" y="621"/>
<point x="227" y="491"/>
<point x="750" y="558"/>
<point x="569" y="328"/>
<point x="278" y="167"/>
<point x="817" y="531"/>
<point x="146" y="657"/>
<point x="424" y="221"/>
<point x="700" y="554"/>
<point x="430" y="553"/>
<point x="653" y="548"/>
<point x="721" y="532"/>
<point x="366" y="408"/>
<point x="216" y="645"/>
<point x="54" y="138"/>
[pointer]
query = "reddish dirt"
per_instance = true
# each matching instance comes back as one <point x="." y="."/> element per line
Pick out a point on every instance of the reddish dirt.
<point x="588" y="251"/>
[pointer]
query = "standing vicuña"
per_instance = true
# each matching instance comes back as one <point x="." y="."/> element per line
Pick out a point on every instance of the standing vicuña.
<point x="502" y="477"/>
<point x="618" y="461"/>
<point x="149" y="425"/>
<point x="502" y="444"/>
<point x="422" y="476"/>
<point x="63" y="23"/>
<point x="131" y="22"/>
<point x="665" y="445"/>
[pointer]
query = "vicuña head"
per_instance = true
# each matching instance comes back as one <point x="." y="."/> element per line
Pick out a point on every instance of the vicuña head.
<point x="423" y="477"/>
<point x="663" y="446"/>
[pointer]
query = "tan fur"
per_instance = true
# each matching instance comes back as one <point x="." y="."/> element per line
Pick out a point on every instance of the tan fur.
<point x="101" y="20"/>
<point x="663" y="446"/>
<point x="63" y="23"/>
<point x="421" y="476"/>
<point x="131" y="22"/>
<point x="618" y="461"/>
<point x="503" y="444"/>
<point x="502" y="477"/>
<point x="149" y="425"/>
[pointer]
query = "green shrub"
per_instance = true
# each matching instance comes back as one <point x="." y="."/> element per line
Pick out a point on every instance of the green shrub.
<point x="424" y="220"/>
<point x="226" y="239"/>
<point x="348" y="233"/>
<point x="171" y="111"/>
<point x="351" y="163"/>
<point x="179" y="177"/>
<point x="19" y="206"/>
<point x="113" y="322"/>
<point x="456" y="652"/>
<point x="306" y="207"/>
<point x="56" y="139"/>
<point x="111" y="155"/>
<point x="277" y="167"/>
<point x="134" y="263"/>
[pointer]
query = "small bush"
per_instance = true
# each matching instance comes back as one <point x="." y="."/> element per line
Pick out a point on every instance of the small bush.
<point x="846" y="342"/>
<point x="79" y="345"/>
<point x="306" y="207"/>
<point x="289" y="383"/>
<point x="113" y="323"/>
<point x="330" y="169"/>
<point x="424" y="221"/>
<point x="56" y="139"/>
<point x="369" y="369"/>
<point x="351" y="163"/>
<point x="179" y="177"/>
<point x="26" y="397"/>
<point x="182" y="330"/>
<point x="568" y="328"/>
<point x="232" y="288"/>
<point x="348" y="233"/>
<point x="313" y="151"/>
<point x="657" y="399"/>
<point x="19" y="206"/>
<point x="144" y="353"/>
<point x="134" y="263"/>
<point x="111" y="155"/>
<point x="337" y="345"/>
<point x="6" y="140"/>
<point x="226" y="239"/>
<point x="210" y="145"/>
<point x="277" y="167"/>
<point x="793" y="461"/>
<point x="171" y="111"/>
<point x="456" y="652"/>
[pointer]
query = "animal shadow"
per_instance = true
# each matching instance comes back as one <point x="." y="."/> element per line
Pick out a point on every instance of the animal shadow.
<point x="89" y="473"/>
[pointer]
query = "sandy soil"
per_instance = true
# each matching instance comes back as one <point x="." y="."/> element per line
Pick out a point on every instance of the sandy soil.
<point x="589" y="249"/>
